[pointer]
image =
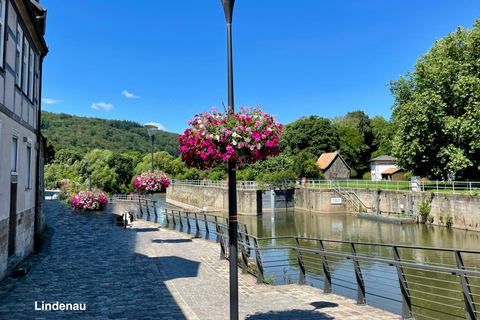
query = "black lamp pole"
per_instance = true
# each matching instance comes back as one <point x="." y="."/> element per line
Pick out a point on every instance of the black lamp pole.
<point x="232" y="176"/>
<point x="152" y="129"/>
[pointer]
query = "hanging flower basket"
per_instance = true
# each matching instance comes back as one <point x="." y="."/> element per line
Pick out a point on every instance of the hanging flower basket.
<point x="89" y="200"/>
<point x="152" y="182"/>
<point x="212" y="138"/>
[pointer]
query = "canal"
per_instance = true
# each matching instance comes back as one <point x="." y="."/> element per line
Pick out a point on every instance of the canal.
<point x="429" y="302"/>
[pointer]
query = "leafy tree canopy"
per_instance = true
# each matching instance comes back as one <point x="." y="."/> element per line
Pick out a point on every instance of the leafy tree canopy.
<point x="311" y="134"/>
<point x="437" y="107"/>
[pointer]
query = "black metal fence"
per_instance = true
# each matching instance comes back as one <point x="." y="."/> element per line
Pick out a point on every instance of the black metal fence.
<point x="402" y="279"/>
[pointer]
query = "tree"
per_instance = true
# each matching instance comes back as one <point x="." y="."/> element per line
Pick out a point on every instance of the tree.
<point x="313" y="134"/>
<point x="437" y="107"/>
<point x="383" y="133"/>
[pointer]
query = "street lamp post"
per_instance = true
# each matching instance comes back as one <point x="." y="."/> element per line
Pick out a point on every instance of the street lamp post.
<point x="152" y="129"/>
<point x="88" y="174"/>
<point x="232" y="175"/>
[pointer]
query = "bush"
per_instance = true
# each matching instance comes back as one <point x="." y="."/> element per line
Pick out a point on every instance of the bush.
<point x="367" y="176"/>
<point x="449" y="221"/>
<point x="407" y="176"/>
<point x="424" y="209"/>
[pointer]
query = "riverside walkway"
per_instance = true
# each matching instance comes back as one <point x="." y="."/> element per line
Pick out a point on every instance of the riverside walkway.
<point x="149" y="272"/>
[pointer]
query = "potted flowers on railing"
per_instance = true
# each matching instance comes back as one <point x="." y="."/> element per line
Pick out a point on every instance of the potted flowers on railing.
<point x="151" y="181"/>
<point x="212" y="138"/>
<point x="87" y="200"/>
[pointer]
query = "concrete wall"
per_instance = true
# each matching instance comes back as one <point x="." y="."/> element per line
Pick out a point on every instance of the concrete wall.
<point x="211" y="198"/>
<point x="464" y="209"/>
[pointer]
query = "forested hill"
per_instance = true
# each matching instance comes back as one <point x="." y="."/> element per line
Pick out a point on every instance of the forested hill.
<point x="83" y="134"/>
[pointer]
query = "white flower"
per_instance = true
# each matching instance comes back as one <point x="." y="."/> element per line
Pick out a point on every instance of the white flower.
<point x="199" y="121"/>
<point x="234" y="134"/>
<point x="234" y="142"/>
<point x="247" y="140"/>
<point x="252" y="147"/>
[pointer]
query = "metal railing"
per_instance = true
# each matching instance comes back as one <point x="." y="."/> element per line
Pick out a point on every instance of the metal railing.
<point x="402" y="279"/>
<point x="244" y="185"/>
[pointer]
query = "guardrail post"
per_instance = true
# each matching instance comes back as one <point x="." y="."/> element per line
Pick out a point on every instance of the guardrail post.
<point x="301" y="266"/>
<point x="141" y="211"/>
<point x="166" y="215"/>
<point x="406" y="302"/>
<point x="155" y="208"/>
<point x="258" y="262"/>
<point x="467" y="293"/>
<point x="358" y="276"/>
<point x="327" y="286"/>
<point x="207" y="230"/>
<point x="188" y="222"/>
<point x="216" y="228"/>
<point x="244" y="253"/>
<point x="180" y="219"/>
<point x="220" y="236"/>
<point x="197" y="233"/>
<point x="146" y="205"/>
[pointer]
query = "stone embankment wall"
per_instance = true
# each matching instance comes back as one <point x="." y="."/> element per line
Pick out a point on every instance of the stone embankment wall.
<point x="211" y="198"/>
<point x="463" y="208"/>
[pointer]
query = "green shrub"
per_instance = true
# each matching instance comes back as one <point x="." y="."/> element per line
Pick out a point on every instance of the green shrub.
<point x="449" y="221"/>
<point x="430" y="218"/>
<point x="367" y="176"/>
<point x="424" y="210"/>
<point x="407" y="176"/>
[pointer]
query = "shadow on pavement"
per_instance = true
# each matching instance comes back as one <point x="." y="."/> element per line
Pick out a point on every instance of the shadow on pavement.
<point x="323" y="304"/>
<point x="172" y="241"/>
<point x="290" y="315"/>
<point x="146" y="230"/>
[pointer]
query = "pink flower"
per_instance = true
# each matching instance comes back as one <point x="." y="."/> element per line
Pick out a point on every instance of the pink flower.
<point x="248" y="119"/>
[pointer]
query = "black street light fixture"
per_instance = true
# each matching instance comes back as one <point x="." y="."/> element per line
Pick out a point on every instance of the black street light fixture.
<point x="232" y="175"/>
<point x="152" y="129"/>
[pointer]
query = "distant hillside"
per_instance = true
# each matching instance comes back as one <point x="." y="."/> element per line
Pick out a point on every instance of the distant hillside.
<point x="65" y="131"/>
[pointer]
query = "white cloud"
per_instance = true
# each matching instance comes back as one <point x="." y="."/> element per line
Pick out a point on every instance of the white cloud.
<point x="102" y="106"/>
<point x="159" y="126"/>
<point x="50" y="101"/>
<point x="129" y="95"/>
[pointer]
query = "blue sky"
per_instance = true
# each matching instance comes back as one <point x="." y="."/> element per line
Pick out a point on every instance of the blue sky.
<point x="164" y="61"/>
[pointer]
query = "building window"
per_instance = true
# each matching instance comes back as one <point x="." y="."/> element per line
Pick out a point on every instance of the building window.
<point x="26" y="50"/>
<point x="14" y="154"/>
<point x="28" y="168"/>
<point x="2" y="30"/>
<point x="18" y="57"/>
<point x="30" y="74"/>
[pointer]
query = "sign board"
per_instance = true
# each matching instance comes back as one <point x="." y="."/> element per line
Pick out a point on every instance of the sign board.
<point x="336" y="200"/>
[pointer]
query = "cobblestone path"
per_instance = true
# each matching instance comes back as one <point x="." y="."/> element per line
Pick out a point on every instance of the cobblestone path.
<point x="149" y="272"/>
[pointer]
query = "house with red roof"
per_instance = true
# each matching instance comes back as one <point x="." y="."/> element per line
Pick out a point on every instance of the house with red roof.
<point x="333" y="166"/>
<point x="385" y="168"/>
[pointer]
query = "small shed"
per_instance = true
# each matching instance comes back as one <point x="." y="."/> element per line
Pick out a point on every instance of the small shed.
<point x="333" y="166"/>
<point x="394" y="174"/>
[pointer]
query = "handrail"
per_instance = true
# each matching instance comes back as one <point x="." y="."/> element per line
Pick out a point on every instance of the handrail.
<point x="403" y="290"/>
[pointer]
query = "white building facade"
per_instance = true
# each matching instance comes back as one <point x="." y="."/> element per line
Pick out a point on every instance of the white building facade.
<point x="22" y="49"/>
<point x="381" y="164"/>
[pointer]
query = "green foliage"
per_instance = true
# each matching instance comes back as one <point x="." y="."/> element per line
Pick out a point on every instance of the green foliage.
<point x="424" y="209"/>
<point x="448" y="221"/>
<point x="407" y="176"/>
<point x="269" y="280"/>
<point x="437" y="107"/>
<point x="309" y="134"/>
<point x="64" y="131"/>
<point x="367" y="176"/>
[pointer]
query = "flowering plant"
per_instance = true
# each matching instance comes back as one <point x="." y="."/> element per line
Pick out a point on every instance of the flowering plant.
<point x="64" y="182"/>
<point x="89" y="200"/>
<point x="213" y="138"/>
<point x="151" y="181"/>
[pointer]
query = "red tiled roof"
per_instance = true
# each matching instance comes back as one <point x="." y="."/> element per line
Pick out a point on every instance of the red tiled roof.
<point x="325" y="159"/>
<point x="391" y="170"/>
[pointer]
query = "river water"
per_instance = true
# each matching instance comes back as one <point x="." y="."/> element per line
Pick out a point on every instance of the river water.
<point x="347" y="227"/>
